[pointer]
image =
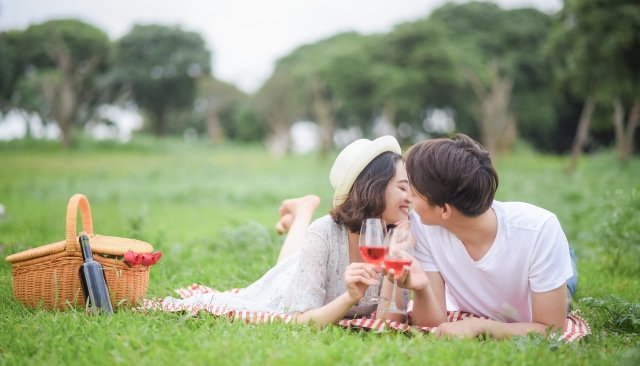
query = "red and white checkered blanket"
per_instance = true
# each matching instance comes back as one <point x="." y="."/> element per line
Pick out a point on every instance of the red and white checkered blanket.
<point x="575" y="328"/>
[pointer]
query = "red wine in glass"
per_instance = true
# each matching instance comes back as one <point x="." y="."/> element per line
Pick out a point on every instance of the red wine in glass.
<point x="373" y="250"/>
<point x="373" y="254"/>
<point x="396" y="265"/>
<point x="400" y="254"/>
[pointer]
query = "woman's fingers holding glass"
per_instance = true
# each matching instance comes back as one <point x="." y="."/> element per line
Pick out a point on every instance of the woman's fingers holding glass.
<point x="371" y="268"/>
<point x="364" y="273"/>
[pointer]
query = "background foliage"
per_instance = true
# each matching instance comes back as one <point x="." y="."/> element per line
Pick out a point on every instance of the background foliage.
<point x="502" y="75"/>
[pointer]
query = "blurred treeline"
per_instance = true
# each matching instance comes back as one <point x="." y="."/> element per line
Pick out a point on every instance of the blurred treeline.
<point x="557" y="81"/>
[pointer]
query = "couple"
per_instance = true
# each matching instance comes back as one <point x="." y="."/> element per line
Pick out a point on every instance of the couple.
<point x="509" y="262"/>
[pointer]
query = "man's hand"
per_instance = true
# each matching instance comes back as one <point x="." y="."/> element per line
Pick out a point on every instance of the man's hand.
<point x="467" y="328"/>
<point x="412" y="278"/>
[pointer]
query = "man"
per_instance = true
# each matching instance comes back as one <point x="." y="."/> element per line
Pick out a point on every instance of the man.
<point x="507" y="261"/>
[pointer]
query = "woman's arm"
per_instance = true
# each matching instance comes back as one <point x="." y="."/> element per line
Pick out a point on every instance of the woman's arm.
<point x="358" y="277"/>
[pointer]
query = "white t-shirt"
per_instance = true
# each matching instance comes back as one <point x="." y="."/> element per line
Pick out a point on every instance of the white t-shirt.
<point x="530" y="253"/>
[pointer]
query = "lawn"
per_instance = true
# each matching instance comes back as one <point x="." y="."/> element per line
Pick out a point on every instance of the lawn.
<point x="211" y="210"/>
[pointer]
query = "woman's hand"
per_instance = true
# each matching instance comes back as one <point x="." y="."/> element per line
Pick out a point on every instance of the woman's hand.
<point x="412" y="277"/>
<point x="358" y="277"/>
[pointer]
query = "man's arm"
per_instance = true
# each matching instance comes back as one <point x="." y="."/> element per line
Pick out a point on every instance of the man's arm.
<point x="549" y="310"/>
<point x="429" y="308"/>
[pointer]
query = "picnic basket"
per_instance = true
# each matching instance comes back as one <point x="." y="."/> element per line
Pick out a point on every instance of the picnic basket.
<point x="48" y="275"/>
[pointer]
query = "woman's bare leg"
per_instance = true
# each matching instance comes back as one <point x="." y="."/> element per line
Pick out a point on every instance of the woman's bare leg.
<point x="295" y="217"/>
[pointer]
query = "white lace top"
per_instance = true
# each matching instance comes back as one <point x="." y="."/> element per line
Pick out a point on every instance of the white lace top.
<point x="306" y="280"/>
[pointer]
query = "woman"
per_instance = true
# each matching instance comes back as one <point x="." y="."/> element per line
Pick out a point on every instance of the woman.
<point x="320" y="276"/>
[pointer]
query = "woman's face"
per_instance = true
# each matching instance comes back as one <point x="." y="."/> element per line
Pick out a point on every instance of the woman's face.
<point x="397" y="197"/>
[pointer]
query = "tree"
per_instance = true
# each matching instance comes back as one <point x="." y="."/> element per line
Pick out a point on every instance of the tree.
<point x="277" y="104"/>
<point x="315" y="78"/>
<point x="161" y="66"/>
<point x="415" y="71"/>
<point x="524" y="33"/>
<point x="596" y="52"/>
<point x="498" y="55"/>
<point x="307" y="84"/>
<point x="58" y="67"/>
<point x="224" y="109"/>
<point x="9" y="66"/>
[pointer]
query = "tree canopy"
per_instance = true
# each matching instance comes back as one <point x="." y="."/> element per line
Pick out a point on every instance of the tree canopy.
<point x="56" y="66"/>
<point x="499" y="74"/>
<point x="161" y="65"/>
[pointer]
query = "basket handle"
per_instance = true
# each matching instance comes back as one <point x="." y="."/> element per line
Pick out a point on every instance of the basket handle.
<point x="77" y="201"/>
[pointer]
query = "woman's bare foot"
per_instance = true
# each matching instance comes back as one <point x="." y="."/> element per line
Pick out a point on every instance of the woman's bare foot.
<point x="284" y="224"/>
<point x="293" y="206"/>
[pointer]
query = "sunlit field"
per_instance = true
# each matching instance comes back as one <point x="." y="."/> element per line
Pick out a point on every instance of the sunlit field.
<point x="211" y="211"/>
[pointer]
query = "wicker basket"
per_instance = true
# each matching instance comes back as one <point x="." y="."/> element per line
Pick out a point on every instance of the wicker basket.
<point x="48" y="275"/>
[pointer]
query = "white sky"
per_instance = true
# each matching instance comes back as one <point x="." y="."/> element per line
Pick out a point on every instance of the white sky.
<point x="245" y="36"/>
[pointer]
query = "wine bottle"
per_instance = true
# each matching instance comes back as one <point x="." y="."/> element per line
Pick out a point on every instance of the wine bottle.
<point x="94" y="282"/>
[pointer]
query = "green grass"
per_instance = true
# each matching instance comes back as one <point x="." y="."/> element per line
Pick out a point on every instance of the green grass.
<point x="211" y="210"/>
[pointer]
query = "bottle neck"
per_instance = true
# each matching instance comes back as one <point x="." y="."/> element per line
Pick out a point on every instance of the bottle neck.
<point x="86" y="247"/>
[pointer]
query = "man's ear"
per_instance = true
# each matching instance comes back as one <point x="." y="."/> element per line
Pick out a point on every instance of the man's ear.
<point x="446" y="211"/>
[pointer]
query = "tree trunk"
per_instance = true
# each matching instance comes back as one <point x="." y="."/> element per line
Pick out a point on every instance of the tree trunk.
<point x="26" y="116"/>
<point x="65" y="95"/>
<point x="323" y="110"/>
<point x="66" y="108"/>
<point x="632" y="124"/>
<point x="159" y="122"/>
<point x="618" y="126"/>
<point x="277" y="143"/>
<point x="625" y="136"/>
<point x="496" y="123"/>
<point x="508" y="136"/>
<point x="581" y="134"/>
<point x="214" y="130"/>
<point x="389" y="112"/>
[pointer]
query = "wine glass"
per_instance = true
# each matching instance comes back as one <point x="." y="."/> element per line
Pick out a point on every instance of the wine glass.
<point x="399" y="254"/>
<point x="373" y="249"/>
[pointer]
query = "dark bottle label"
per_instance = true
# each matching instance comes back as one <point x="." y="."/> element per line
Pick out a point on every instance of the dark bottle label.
<point x="94" y="282"/>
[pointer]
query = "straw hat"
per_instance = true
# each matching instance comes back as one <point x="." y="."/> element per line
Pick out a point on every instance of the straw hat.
<point x="353" y="159"/>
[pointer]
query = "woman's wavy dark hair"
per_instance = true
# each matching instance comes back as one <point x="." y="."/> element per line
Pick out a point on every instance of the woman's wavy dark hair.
<point x="366" y="198"/>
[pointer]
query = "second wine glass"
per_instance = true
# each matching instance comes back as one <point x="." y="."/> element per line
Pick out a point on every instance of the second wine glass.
<point x="399" y="254"/>
<point x="373" y="249"/>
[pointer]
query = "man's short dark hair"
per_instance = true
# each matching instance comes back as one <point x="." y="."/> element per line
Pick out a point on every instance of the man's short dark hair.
<point x="456" y="170"/>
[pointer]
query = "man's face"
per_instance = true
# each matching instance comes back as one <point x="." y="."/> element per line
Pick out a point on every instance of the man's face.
<point x="429" y="214"/>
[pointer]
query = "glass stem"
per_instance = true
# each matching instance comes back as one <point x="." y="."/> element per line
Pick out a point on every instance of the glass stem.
<point x="393" y="296"/>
